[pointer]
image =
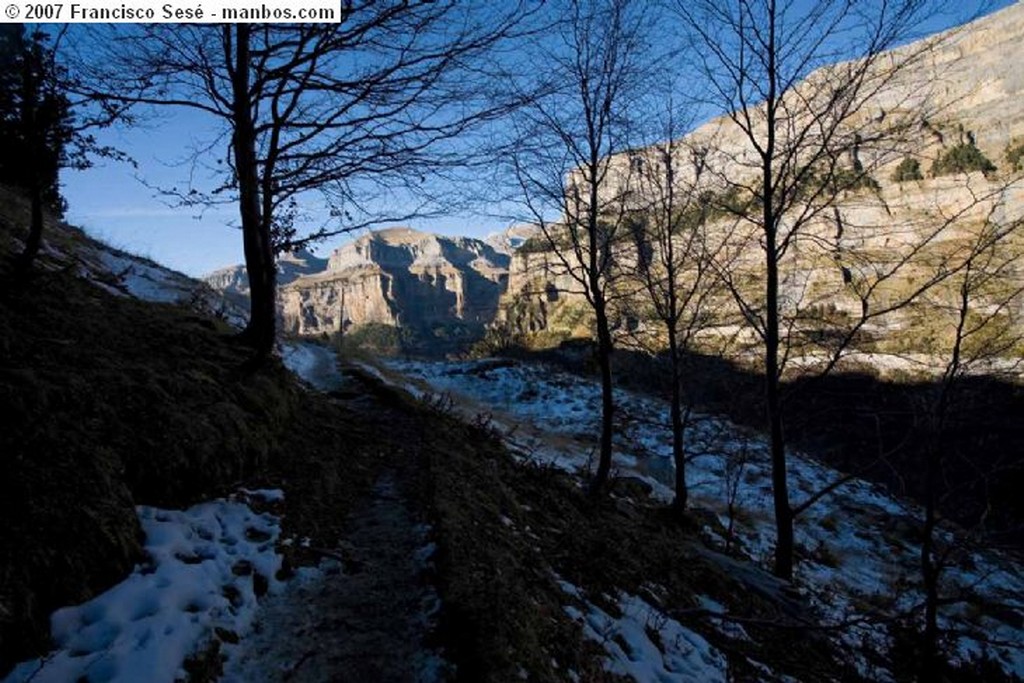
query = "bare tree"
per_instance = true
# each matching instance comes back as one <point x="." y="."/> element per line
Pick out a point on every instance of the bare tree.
<point x="562" y="158"/>
<point x="802" y="140"/>
<point x="350" y="110"/>
<point x="675" y="255"/>
<point x="984" y="304"/>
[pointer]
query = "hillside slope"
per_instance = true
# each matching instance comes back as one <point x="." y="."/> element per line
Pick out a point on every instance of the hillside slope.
<point x="111" y="401"/>
<point x="115" y="402"/>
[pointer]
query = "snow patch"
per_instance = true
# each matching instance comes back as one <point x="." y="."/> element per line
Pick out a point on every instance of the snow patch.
<point x="145" y="281"/>
<point x="315" y="364"/>
<point x="201" y="575"/>
<point x="122" y="274"/>
<point x="645" y="644"/>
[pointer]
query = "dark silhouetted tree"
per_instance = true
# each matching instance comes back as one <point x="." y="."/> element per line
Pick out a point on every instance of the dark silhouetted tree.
<point x="35" y="127"/>
<point x="794" y="80"/>
<point x="370" y="105"/>
<point x="984" y="307"/>
<point x="44" y="127"/>
<point x="675" y="264"/>
<point x="595" y="66"/>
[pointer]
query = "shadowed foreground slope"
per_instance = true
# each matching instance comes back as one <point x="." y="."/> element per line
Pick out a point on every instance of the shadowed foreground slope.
<point x="113" y="402"/>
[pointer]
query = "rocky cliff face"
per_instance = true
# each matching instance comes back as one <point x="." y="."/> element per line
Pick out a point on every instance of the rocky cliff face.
<point x="233" y="280"/>
<point x="399" y="277"/>
<point x="969" y="84"/>
<point x="509" y="240"/>
<point x="962" y="83"/>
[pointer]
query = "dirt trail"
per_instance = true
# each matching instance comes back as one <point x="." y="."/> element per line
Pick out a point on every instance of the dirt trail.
<point x="364" y="619"/>
<point x="366" y="615"/>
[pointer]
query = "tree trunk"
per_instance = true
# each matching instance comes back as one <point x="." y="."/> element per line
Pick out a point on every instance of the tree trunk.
<point x="604" y="361"/>
<point x="676" y="415"/>
<point x="784" y="545"/>
<point x="30" y="101"/>
<point x="34" y="241"/>
<point x="930" y="576"/>
<point x="931" y="569"/>
<point x="259" y="256"/>
<point x="931" y="563"/>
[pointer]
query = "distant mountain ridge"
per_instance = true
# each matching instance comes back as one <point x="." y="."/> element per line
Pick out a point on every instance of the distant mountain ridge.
<point x="290" y="265"/>
<point x="398" y="277"/>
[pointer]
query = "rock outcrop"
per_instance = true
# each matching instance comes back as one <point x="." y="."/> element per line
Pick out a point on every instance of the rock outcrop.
<point x="399" y="277"/>
<point x="509" y="240"/>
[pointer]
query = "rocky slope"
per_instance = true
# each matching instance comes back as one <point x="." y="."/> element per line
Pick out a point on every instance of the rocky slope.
<point x="960" y="89"/>
<point x="509" y="240"/>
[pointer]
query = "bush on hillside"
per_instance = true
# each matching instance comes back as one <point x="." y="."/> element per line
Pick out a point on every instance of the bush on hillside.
<point x="963" y="158"/>
<point x="386" y="339"/>
<point x="535" y="245"/>
<point x="1015" y="155"/>
<point x="909" y="169"/>
<point x="846" y="179"/>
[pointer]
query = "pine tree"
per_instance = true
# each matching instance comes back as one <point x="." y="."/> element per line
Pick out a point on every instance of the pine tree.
<point x="35" y="127"/>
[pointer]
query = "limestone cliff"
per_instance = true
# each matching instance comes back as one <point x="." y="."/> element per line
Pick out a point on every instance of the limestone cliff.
<point x="509" y="240"/>
<point x="398" y="277"/>
<point x="966" y="88"/>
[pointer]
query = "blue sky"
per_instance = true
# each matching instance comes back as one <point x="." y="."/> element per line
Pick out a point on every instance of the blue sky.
<point x="120" y="204"/>
<point x="112" y="200"/>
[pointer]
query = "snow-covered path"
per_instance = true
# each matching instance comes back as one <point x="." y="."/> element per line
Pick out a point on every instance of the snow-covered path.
<point x="363" y="618"/>
<point x="316" y="364"/>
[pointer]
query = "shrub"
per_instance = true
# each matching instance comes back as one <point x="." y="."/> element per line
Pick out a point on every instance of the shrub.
<point x="387" y="339"/>
<point x="831" y="181"/>
<point x="728" y="203"/>
<point x="963" y="158"/>
<point x="909" y="169"/>
<point x="852" y="179"/>
<point x="500" y="337"/>
<point x="534" y="245"/>
<point x="1015" y="155"/>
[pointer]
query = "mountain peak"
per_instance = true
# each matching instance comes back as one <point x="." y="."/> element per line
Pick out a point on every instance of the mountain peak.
<point x="399" y="235"/>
